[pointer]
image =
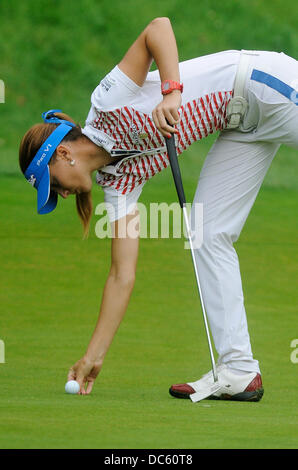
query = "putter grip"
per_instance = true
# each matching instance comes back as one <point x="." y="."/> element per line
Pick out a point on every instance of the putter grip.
<point x="171" y="148"/>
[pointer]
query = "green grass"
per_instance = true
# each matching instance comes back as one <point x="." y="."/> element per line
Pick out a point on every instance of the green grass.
<point x="51" y="281"/>
<point x="51" y="288"/>
<point x="53" y="56"/>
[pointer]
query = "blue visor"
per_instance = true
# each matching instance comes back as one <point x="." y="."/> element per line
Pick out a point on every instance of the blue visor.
<point x="46" y="199"/>
<point x="38" y="172"/>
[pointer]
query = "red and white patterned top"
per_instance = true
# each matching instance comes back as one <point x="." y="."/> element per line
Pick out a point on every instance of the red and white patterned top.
<point x="120" y="119"/>
<point x="199" y="118"/>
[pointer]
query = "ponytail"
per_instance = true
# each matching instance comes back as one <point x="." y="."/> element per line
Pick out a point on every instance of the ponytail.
<point x="84" y="208"/>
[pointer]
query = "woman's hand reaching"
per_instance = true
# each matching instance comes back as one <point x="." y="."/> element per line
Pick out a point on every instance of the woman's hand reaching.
<point x="166" y="115"/>
<point x="84" y="372"/>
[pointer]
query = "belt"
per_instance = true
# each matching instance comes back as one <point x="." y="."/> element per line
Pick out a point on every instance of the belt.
<point x="237" y="106"/>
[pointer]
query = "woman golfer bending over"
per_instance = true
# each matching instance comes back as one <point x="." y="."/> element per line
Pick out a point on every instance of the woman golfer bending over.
<point x="247" y="95"/>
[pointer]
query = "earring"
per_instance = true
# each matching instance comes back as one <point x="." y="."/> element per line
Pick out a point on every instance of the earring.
<point x="72" y="162"/>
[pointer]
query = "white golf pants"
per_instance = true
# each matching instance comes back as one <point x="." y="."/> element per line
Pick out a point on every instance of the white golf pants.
<point x="228" y="185"/>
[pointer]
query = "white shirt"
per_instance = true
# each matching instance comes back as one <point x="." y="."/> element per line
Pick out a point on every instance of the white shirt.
<point x="120" y="120"/>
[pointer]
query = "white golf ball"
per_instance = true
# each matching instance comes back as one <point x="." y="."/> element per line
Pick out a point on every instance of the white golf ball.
<point x="72" y="387"/>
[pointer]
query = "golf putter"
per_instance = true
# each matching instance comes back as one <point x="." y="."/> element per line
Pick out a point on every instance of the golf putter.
<point x="171" y="148"/>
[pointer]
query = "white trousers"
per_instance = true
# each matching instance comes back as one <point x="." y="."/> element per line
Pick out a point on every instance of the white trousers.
<point x="229" y="182"/>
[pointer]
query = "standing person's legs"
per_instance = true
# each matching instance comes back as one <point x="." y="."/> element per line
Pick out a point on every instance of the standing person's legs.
<point x="228" y="186"/>
<point x="229" y="183"/>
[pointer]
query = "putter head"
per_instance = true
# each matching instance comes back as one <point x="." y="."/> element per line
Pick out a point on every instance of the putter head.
<point x="205" y="392"/>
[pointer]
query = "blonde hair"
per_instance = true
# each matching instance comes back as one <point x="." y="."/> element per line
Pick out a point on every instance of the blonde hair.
<point x="30" y="144"/>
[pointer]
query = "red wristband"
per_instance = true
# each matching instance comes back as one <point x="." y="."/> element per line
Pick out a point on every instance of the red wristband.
<point x="168" y="86"/>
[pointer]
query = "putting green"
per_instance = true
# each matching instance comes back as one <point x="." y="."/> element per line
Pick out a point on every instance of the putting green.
<point x="51" y="285"/>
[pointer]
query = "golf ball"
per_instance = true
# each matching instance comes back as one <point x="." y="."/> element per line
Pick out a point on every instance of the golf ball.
<point x="72" y="387"/>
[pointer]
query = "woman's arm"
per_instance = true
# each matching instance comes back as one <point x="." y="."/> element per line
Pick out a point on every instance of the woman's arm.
<point x="116" y="295"/>
<point x="157" y="42"/>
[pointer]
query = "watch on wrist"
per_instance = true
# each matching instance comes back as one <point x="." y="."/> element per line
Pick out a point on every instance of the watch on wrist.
<point x="168" y="86"/>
